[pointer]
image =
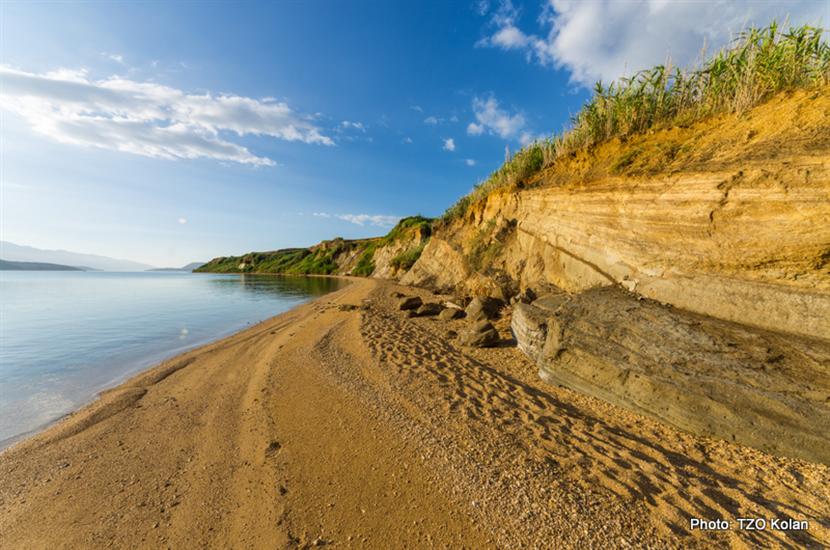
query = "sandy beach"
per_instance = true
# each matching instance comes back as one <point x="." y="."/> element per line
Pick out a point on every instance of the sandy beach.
<point x="344" y="423"/>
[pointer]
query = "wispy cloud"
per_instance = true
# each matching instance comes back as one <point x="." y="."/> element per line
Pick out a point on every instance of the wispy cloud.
<point x="491" y="118"/>
<point x="431" y="120"/>
<point x="449" y="144"/>
<point x="378" y="220"/>
<point x="117" y="57"/>
<point x="638" y="34"/>
<point x="407" y="139"/>
<point x="353" y="125"/>
<point x="417" y="108"/>
<point x="370" y="219"/>
<point x="470" y="162"/>
<point x="182" y="221"/>
<point x="149" y="119"/>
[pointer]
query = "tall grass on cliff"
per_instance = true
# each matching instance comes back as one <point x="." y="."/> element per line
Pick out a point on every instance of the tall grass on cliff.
<point x="759" y="63"/>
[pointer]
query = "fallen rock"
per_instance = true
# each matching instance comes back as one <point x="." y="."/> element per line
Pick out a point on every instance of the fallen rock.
<point x="410" y="302"/>
<point x="707" y="376"/>
<point x="347" y="307"/>
<point x="483" y="308"/>
<point x="529" y="323"/>
<point x="481" y="334"/>
<point x="429" y="309"/>
<point x="451" y="334"/>
<point x="451" y="313"/>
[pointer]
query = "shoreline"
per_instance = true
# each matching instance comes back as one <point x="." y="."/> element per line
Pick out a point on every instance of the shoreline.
<point x="155" y="360"/>
<point x="344" y="422"/>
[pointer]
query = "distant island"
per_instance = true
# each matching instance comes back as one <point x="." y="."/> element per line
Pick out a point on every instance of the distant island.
<point x="6" y="265"/>
<point x="189" y="267"/>
<point x="85" y="262"/>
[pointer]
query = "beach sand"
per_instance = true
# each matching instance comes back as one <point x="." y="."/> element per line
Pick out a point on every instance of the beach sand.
<point x="344" y="423"/>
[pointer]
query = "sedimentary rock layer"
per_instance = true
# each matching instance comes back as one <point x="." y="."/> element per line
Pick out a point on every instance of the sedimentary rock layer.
<point x="748" y="245"/>
<point x="711" y="377"/>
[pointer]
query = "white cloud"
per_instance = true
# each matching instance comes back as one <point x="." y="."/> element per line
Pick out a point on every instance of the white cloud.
<point x="407" y="139"/>
<point x="182" y="221"/>
<point x="607" y="39"/>
<point x="509" y="37"/>
<point x="449" y="144"/>
<point x="355" y="125"/>
<point x="117" y="57"/>
<point x="321" y="214"/>
<point x="470" y="162"/>
<point x="149" y="119"/>
<point x="417" y="108"/>
<point x="475" y="129"/>
<point x="370" y="219"/>
<point x="494" y="120"/>
<point x="431" y="120"/>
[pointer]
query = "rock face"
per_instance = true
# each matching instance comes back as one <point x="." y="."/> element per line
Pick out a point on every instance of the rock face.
<point x="707" y="376"/>
<point x="742" y="245"/>
<point x="481" y="334"/>
<point x="737" y="229"/>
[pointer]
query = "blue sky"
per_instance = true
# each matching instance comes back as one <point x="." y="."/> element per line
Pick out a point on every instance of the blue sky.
<point x="167" y="133"/>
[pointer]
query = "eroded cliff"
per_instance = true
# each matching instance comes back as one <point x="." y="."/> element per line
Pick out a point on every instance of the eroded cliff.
<point x="684" y="274"/>
<point x="732" y="222"/>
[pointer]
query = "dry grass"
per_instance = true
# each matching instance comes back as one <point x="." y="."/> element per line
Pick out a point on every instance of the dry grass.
<point x="758" y="64"/>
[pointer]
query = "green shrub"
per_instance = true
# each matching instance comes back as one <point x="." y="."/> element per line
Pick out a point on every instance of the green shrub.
<point x="406" y="259"/>
<point x="366" y="263"/>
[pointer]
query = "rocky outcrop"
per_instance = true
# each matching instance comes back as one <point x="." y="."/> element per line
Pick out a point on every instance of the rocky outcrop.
<point x="707" y="376"/>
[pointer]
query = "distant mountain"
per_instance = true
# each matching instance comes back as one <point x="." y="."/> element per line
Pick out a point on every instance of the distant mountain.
<point x="6" y="265"/>
<point x="18" y="253"/>
<point x="189" y="267"/>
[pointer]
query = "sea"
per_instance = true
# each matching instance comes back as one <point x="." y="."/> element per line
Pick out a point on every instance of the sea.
<point x="67" y="335"/>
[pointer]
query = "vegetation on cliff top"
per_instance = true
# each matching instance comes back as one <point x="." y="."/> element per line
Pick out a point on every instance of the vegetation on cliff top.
<point x="759" y="63"/>
<point x="326" y="257"/>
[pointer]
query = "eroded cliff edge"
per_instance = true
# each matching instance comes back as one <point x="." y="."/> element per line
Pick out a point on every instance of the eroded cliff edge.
<point x="692" y="266"/>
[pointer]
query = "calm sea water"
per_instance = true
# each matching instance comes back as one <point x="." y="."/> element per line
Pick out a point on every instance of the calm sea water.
<point x="64" y="336"/>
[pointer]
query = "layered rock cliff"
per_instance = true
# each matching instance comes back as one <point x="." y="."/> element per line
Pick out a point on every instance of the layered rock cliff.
<point x="733" y="223"/>
<point x="685" y="274"/>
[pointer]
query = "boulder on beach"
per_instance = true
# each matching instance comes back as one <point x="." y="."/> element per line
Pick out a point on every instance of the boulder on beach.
<point x="429" y="309"/>
<point x="410" y="303"/>
<point x="451" y="313"/>
<point x="482" y="307"/>
<point x="481" y="334"/>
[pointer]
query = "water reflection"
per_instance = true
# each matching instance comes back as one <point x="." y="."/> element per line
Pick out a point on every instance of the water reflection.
<point x="283" y="285"/>
<point x="66" y="335"/>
